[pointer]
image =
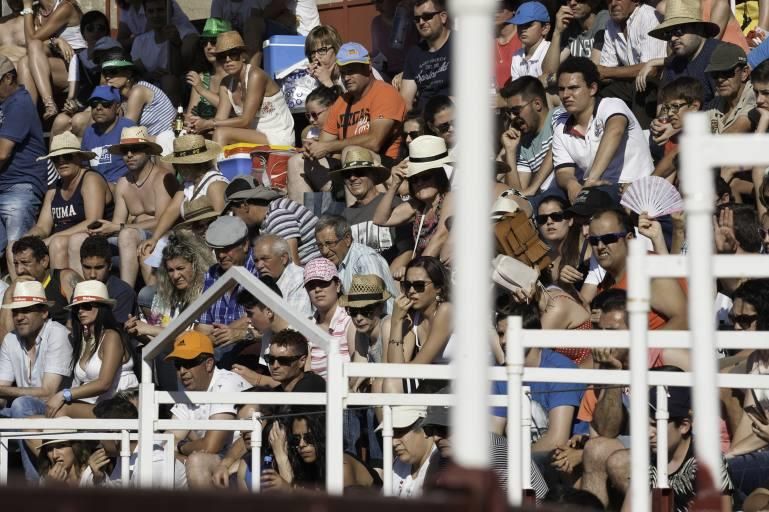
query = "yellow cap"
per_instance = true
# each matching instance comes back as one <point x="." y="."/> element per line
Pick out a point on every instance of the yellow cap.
<point x="190" y="345"/>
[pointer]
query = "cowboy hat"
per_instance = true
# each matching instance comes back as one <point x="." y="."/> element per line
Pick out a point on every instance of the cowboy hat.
<point x="683" y="12"/>
<point x="26" y="294"/>
<point x="192" y="149"/>
<point x="361" y="158"/>
<point x="133" y="136"/>
<point x="58" y="431"/>
<point x="427" y="152"/>
<point x="197" y="210"/>
<point x="67" y="143"/>
<point x="227" y="41"/>
<point x="90" y="291"/>
<point x="365" y="290"/>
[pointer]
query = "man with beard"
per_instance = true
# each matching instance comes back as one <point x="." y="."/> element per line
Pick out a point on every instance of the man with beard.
<point x="139" y="196"/>
<point x="105" y="131"/>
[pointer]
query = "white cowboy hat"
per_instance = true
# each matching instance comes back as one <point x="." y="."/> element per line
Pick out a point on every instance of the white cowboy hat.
<point x="512" y="274"/>
<point x="90" y="291"/>
<point x="427" y="152"/>
<point x="28" y="293"/>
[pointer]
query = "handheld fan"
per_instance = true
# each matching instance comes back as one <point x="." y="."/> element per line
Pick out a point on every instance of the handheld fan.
<point x="654" y="195"/>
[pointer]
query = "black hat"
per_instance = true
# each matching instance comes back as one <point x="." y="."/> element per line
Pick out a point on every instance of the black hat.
<point x="679" y="401"/>
<point x="590" y="201"/>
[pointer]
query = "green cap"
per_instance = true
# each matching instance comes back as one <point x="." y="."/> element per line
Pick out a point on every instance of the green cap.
<point x="725" y="57"/>
<point x="118" y="63"/>
<point x="215" y="26"/>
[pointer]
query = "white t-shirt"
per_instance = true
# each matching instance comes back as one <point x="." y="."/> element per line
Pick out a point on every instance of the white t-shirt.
<point x="632" y="159"/>
<point x="407" y="486"/>
<point x="306" y="14"/>
<point x="521" y="66"/>
<point x="638" y="47"/>
<point x="54" y="356"/>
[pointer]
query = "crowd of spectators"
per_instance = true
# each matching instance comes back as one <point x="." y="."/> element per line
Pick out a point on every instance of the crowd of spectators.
<point x="113" y="220"/>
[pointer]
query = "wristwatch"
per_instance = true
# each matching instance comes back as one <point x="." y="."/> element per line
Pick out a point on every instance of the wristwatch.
<point x="67" y="393"/>
<point x="26" y="11"/>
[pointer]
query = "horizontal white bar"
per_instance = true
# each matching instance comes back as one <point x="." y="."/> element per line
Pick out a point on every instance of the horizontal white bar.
<point x="622" y="378"/>
<point x="724" y="265"/>
<point x="439" y="400"/>
<point x="68" y="424"/>
<point x="656" y="339"/>
<point x="89" y="436"/>
<point x="231" y="425"/>
<point x="399" y="371"/>
<point x="205" y="397"/>
<point x="732" y="149"/>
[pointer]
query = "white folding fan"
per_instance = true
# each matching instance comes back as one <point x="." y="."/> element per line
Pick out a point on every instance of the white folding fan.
<point x="654" y="195"/>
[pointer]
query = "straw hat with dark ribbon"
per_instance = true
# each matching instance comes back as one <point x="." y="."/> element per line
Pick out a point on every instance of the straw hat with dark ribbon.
<point x="683" y="12"/>
<point x="193" y="149"/>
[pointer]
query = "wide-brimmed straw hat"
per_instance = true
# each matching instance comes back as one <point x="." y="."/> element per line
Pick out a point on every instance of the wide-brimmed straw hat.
<point x="197" y="210"/>
<point x="58" y="431"/>
<point x="227" y="41"/>
<point x="26" y="294"/>
<point x="683" y="12"/>
<point x="427" y="152"/>
<point x="67" y="143"/>
<point x="90" y="291"/>
<point x="133" y="136"/>
<point x="192" y="149"/>
<point x="365" y="290"/>
<point x="361" y="158"/>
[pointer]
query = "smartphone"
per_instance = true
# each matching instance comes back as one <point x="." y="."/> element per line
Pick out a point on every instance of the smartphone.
<point x="94" y="225"/>
<point x="266" y="462"/>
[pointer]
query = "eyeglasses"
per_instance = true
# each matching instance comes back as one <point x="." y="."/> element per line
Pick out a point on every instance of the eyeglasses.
<point x="313" y="116"/>
<point x="436" y="430"/>
<point x="744" y="321"/>
<point x="100" y="103"/>
<point x="412" y="135"/>
<point x="296" y="439"/>
<point x="727" y="73"/>
<point x="444" y="127"/>
<point x="96" y="27"/>
<point x="323" y="50"/>
<point x="673" y="108"/>
<point x="367" y="311"/>
<point x="676" y="32"/>
<point x="516" y="110"/>
<point x="205" y="41"/>
<point x="233" y="55"/>
<point x="418" y="286"/>
<point x="328" y="244"/>
<point x="317" y="283"/>
<point x="85" y="306"/>
<point x="607" y="239"/>
<point x="281" y="360"/>
<point x="63" y="159"/>
<point x="422" y="176"/>
<point x="426" y="16"/>
<point x="186" y="364"/>
<point x="556" y="216"/>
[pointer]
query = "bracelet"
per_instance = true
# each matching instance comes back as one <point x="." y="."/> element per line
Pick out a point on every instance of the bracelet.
<point x="25" y="11"/>
<point x="395" y="342"/>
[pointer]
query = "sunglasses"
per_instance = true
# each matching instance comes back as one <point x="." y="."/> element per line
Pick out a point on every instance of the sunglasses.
<point x="444" y="127"/>
<point x="95" y="27"/>
<point x="233" y="55"/>
<point x="367" y="311"/>
<point x="313" y="116"/>
<point x="296" y="439"/>
<point x="728" y="73"/>
<point x="673" y="108"/>
<point x="556" y="216"/>
<point x="317" y="283"/>
<point x="426" y="16"/>
<point x="205" y="41"/>
<point x="422" y="176"/>
<point x="607" y="239"/>
<point x="418" y="286"/>
<point x="516" y="110"/>
<point x="355" y="173"/>
<point x="86" y="306"/>
<point x="436" y="430"/>
<point x="744" y="321"/>
<point x="63" y="159"/>
<point x="186" y="364"/>
<point x="100" y="103"/>
<point x="412" y="135"/>
<point x="763" y="232"/>
<point x="281" y="360"/>
<point x="138" y="148"/>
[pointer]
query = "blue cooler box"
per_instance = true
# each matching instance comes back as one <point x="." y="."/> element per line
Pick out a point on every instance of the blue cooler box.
<point x="281" y="52"/>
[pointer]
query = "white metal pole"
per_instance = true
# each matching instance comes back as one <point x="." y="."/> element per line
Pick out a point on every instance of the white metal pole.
<point x="387" y="450"/>
<point x="699" y="200"/>
<point x="125" y="458"/>
<point x="638" y="309"/>
<point x="471" y="81"/>
<point x="335" y="388"/>
<point x="146" y="426"/>
<point x="4" y="461"/>
<point x="514" y="356"/>
<point x="256" y="453"/>
<point x="525" y="438"/>
<point x="662" y="417"/>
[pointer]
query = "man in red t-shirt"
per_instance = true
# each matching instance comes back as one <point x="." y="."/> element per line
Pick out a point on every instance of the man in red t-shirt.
<point x="368" y="115"/>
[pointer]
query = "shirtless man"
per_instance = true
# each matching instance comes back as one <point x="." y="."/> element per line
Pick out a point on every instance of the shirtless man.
<point x="139" y="195"/>
<point x="12" y="42"/>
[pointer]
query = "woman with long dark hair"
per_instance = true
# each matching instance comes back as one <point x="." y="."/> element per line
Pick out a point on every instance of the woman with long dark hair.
<point x="65" y="462"/>
<point x="102" y="358"/>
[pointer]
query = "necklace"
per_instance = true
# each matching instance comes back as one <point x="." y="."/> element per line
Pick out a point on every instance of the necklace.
<point x="139" y="185"/>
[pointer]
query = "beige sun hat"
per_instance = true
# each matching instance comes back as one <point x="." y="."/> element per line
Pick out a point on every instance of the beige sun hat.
<point x="365" y="290"/>
<point x="227" y="41"/>
<point x="510" y="201"/>
<point x="26" y="294"/>
<point x="197" y="210"/>
<point x="90" y="291"/>
<point x="513" y="274"/>
<point x="67" y="143"/>
<point x="361" y="158"/>
<point x="683" y="12"/>
<point x="133" y="136"/>
<point x="427" y="152"/>
<point x="192" y="149"/>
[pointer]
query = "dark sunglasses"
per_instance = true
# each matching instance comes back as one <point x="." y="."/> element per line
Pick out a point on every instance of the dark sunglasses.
<point x="426" y="16"/>
<point x="95" y="27"/>
<point x="86" y="306"/>
<point x="205" y="41"/>
<point x="366" y="311"/>
<point x="728" y="73"/>
<point x="422" y="176"/>
<point x="744" y="321"/>
<point x="317" y="283"/>
<point x="233" y="54"/>
<point x="296" y="439"/>
<point x="413" y="134"/>
<point x="436" y="430"/>
<point x="64" y="159"/>
<point x="763" y="232"/>
<point x="444" y="127"/>
<point x="418" y="286"/>
<point x="101" y="103"/>
<point x="556" y="216"/>
<point x="189" y="363"/>
<point x="281" y="360"/>
<point x="607" y="239"/>
<point x="138" y="148"/>
<point x="313" y="116"/>
<point x="355" y="173"/>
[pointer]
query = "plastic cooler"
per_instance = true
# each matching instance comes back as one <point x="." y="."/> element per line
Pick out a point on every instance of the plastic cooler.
<point x="281" y="52"/>
<point x="267" y="164"/>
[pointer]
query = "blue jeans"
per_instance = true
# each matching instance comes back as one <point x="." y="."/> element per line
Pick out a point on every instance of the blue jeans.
<point x="24" y="407"/>
<point x="749" y="472"/>
<point x="19" y="206"/>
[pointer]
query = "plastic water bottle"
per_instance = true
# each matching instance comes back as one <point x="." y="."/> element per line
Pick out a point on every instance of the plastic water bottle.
<point x="400" y="27"/>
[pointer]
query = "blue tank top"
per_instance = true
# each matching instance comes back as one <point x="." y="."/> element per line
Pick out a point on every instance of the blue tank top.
<point x="68" y="212"/>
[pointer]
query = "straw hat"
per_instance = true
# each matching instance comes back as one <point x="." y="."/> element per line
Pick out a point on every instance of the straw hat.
<point x="361" y="158"/>
<point x="364" y="290"/>
<point x="427" y="152"/>
<point x="67" y="143"/>
<point x="683" y="12"/>
<point x="58" y="431"/>
<point x="26" y="294"/>
<point x="192" y="149"/>
<point x="196" y="210"/>
<point x="133" y="136"/>
<point x="90" y="291"/>
<point x="227" y="41"/>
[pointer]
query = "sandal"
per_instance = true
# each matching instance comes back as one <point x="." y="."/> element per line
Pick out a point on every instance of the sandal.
<point x="50" y="108"/>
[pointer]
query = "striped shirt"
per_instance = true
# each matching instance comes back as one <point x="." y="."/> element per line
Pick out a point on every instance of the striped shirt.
<point x="338" y="327"/>
<point x="288" y="219"/>
<point x="498" y="451"/>
<point x="291" y="284"/>
<point x="637" y="47"/>
<point x="226" y="308"/>
<point x="157" y="115"/>
<point x="531" y="154"/>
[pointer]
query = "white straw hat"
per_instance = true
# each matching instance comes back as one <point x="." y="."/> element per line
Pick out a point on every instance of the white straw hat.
<point x="90" y="291"/>
<point x="427" y="152"/>
<point x="26" y="294"/>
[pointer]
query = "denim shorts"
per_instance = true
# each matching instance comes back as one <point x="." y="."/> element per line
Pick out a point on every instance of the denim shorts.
<point x="19" y="206"/>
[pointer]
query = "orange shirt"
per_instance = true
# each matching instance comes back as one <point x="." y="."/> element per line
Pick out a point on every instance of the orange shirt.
<point x="381" y="101"/>
<point x="656" y="321"/>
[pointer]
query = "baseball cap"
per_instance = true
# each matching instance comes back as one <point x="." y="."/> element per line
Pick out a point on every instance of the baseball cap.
<point x="191" y="344"/>
<point x="726" y="56"/>
<point x="405" y="415"/>
<point x="6" y="66"/>
<point x="528" y="12"/>
<point x="591" y="200"/>
<point x="679" y="401"/>
<point x="352" y="53"/>
<point x="320" y="269"/>
<point x="105" y="92"/>
<point x="225" y="231"/>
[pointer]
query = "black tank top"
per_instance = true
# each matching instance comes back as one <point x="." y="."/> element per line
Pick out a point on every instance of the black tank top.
<point x="67" y="213"/>
<point x="54" y="294"/>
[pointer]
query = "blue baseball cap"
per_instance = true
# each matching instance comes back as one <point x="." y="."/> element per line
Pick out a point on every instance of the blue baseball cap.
<point x="105" y="92"/>
<point x="352" y="53"/>
<point x="528" y="12"/>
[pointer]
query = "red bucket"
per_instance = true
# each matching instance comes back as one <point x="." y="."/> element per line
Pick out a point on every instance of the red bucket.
<point x="272" y="163"/>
